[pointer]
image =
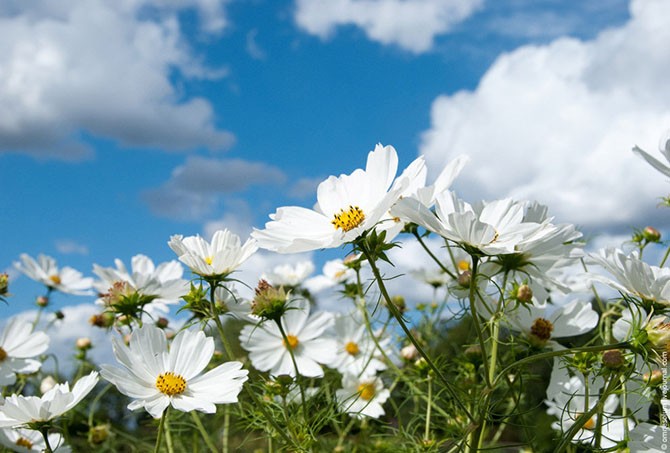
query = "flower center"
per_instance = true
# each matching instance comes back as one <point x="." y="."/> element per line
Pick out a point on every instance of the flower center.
<point x="209" y="260"/>
<point x="23" y="442"/>
<point x="590" y="423"/>
<point x="170" y="383"/>
<point x="292" y="341"/>
<point x="3" y="354"/>
<point x="367" y="390"/>
<point x="463" y="265"/>
<point x="55" y="279"/>
<point x="352" y="348"/>
<point x="542" y="329"/>
<point x="349" y="219"/>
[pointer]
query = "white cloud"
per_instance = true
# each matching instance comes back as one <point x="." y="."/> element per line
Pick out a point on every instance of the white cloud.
<point x="409" y="24"/>
<point x="69" y="247"/>
<point x="253" y="49"/>
<point x="193" y="188"/>
<point x="557" y="123"/>
<point x="102" y="68"/>
<point x="237" y="217"/>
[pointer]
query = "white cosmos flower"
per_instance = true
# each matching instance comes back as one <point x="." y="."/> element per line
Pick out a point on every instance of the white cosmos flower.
<point x="163" y="282"/>
<point x="46" y="271"/>
<point x="542" y="324"/>
<point x="229" y="301"/>
<point x="219" y="258"/>
<point x="347" y="206"/>
<point x="306" y="339"/>
<point x="362" y="397"/>
<point x="634" y="276"/>
<point x="334" y="272"/>
<point x="156" y="377"/>
<point x="490" y="228"/>
<point x="19" y="410"/>
<point x="664" y="146"/>
<point x="356" y="351"/>
<point x="289" y="274"/>
<point x="569" y="401"/>
<point x="28" y="440"/>
<point x="18" y="344"/>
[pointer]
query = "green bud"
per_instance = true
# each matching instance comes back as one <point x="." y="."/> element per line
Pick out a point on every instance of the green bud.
<point x="269" y="302"/>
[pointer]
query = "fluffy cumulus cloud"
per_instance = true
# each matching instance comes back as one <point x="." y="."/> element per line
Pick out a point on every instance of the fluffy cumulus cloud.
<point x="557" y="122"/>
<point x="104" y="68"/>
<point x="194" y="188"/>
<point x="409" y="24"/>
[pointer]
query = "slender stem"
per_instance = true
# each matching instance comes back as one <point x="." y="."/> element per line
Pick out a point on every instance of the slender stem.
<point x="430" y="253"/>
<point x="343" y="433"/>
<point x="398" y="316"/>
<point x="226" y="428"/>
<point x="665" y="257"/>
<point x="203" y="432"/>
<point x="475" y="317"/>
<point x="159" y="437"/>
<point x="168" y="433"/>
<point x="45" y="434"/>
<point x="217" y="320"/>
<point x="426" y="434"/>
<point x="298" y="381"/>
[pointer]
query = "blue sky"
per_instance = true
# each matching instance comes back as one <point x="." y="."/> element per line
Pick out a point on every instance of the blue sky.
<point x="122" y="123"/>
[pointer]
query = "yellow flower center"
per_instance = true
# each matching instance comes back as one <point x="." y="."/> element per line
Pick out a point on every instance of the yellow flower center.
<point x="170" y="383"/>
<point x="590" y="423"/>
<point x="542" y="329"/>
<point x="367" y="390"/>
<point x="349" y="219"/>
<point x="23" y="442"/>
<point x="352" y="348"/>
<point x="3" y="354"/>
<point x="292" y="341"/>
<point x="55" y="279"/>
<point x="209" y="260"/>
<point x="463" y="265"/>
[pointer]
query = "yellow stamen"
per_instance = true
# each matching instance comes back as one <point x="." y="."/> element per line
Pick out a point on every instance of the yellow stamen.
<point x="367" y="390"/>
<point x="590" y="423"/>
<point x="349" y="219"/>
<point x="463" y="265"/>
<point x="23" y="442"/>
<point x="3" y="354"/>
<point x="55" y="279"/>
<point x="209" y="260"/>
<point x="170" y="383"/>
<point x="352" y="348"/>
<point x="292" y="342"/>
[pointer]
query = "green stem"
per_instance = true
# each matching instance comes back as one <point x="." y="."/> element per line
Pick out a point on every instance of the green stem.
<point x="426" y="434"/>
<point x="168" y="433"/>
<point x="665" y="257"/>
<point x="430" y="253"/>
<point x="226" y="428"/>
<point x="159" y="436"/>
<point x="295" y="365"/>
<point x="343" y="434"/>
<point x="203" y="432"/>
<point x="398" y="316"/>
<point x="45" y="435"/>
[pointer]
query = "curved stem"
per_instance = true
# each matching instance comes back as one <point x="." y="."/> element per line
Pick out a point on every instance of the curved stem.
<point x="203" y="432"/>
<point x="432" y="255"/>
<point x="398" y="316"/>
<point x="159" y="437"/>
<point x="298" y="381"/>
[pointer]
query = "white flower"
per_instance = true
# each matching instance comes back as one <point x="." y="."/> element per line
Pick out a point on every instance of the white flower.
<point x="306" y="339"/>
<point x="46" y="271"/>
<point x="347" y="206"/>
<point x="356" y="352"/>
<point x="220" y="258"/>
<point x="20" y="410"/>
<point x="362" y="397"/>
<point x="229" y="301"/>
<point x="542" y="324"/>
<point x="163" y="284"/>
<point x="664" y="146"/>
<point x="156" y="377"/>
<point x="18" y="343"/>
<point x="289" y="274"/>
<point x="569" y="402"/>
<point x="634" y="276"/>
<point x="28" y="440"/>
<point x="490" y="228"/>
<point x="334" y="273"/>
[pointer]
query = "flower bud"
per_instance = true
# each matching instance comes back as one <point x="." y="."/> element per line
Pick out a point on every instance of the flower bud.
<point x="651" y="234"/>
<point x="399" y="302"/>
<point x="83" y="343"/>
<point x="658" y="334"/>
<point x="464" y="279"/>
<point x="99" y="433"/>
<point x="42" y="301"/>
<point x="524" y="294"/>
<point x="653" y="379"/>
<point x="59" y="315"/>
<point x="409" y="352"/>
<point x="613" y="359"/>
<point x="269" y="302"/>
<point x="473" y="353"/>
<point x="4" y="284"/>
<point x="162" y="322"/>
<point x="47" y="384"/>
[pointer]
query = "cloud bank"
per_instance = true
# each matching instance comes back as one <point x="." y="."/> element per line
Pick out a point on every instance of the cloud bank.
<point x="109" y="69"/>
<point x="557" y="122"/>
